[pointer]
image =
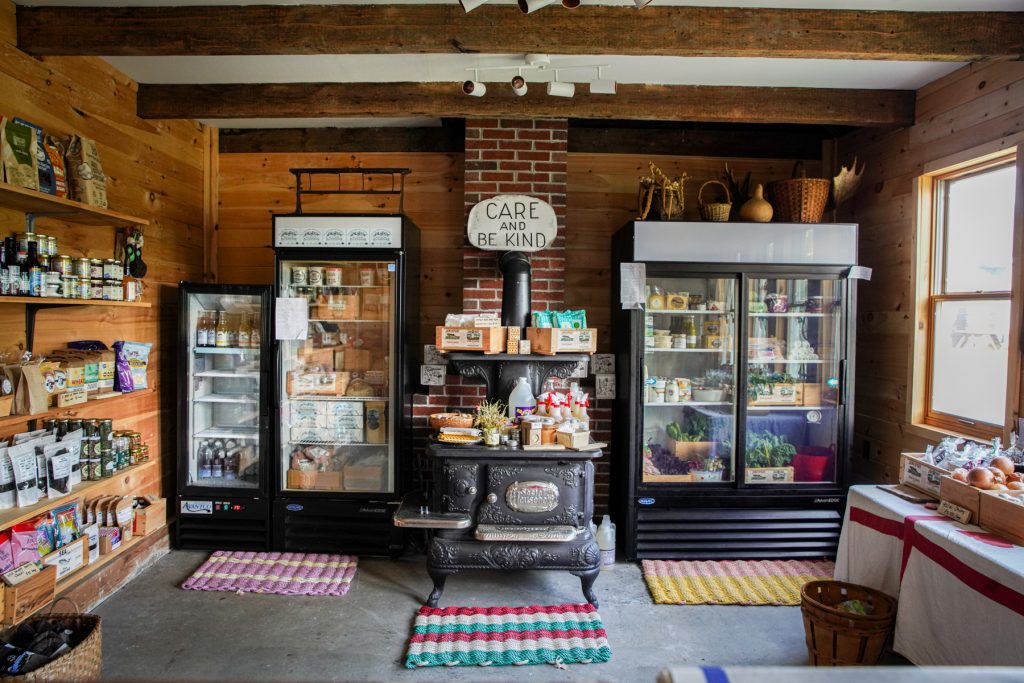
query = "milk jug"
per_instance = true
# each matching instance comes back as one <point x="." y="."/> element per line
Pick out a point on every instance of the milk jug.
<point x="606" y="543"/>
<point x="521" y="401"/>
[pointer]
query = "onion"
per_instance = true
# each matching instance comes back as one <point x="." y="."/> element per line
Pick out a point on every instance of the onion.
<point x="960" y="474"/>
<point x="1016" y="486"/>
<point x="999" y="487"/>
<point x="1000" y="478"/>
<point x="1002" y="463"/>
<point x="981" y="477"/>
<point x="1016" y="476"/>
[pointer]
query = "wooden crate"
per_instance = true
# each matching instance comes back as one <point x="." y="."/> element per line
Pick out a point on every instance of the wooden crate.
<point x="486" y="339"/>
<point x="314" y="481"/>
<point x="1001" y="516"/>
<point x="917" y="474"/>
<point x="364" y="477"/>
<point x="782" y="395"/>
<point x="964" y="495"/>
<point x="150" y="517"/>
<point x="770" y="475"/>
<point x="691" y="450"/>
<point x="548" y="341"/>
<point x="29" y="596"/>
<point x="666" y="478"/>
<point x="340" y="307"/>
<point x="810" y="394"/>
<point x="69" y="558"/>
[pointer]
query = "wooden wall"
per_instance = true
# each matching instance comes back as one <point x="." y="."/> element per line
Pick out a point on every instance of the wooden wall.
<point x="253" y="187"/>
<point x="977" y="105"/>
<point x="155" y="171"/>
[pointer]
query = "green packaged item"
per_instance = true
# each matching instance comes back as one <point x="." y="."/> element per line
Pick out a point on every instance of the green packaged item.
<point x="543" y="318"/>
<point x="570" y="320"/>
<point x="18" y="146"/>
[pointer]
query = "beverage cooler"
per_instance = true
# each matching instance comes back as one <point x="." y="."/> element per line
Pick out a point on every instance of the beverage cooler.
<point x="344" y="379"/>
<point x="223" y="417"/>
<point x="734" y="358"/>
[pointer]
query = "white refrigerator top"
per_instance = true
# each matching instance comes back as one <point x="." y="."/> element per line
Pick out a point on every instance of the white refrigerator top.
<point x="373" y="232"/>
<point x="812" y="244"/>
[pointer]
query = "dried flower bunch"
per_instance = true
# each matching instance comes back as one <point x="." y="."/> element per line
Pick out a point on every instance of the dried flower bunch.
<point x="491" y="415"/>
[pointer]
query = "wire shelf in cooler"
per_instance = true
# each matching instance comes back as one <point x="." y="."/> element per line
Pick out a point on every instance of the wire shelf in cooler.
<point x="223" y="482"/>
<point x="315" y="397"/>
<point x="224" y="350"/>
<point x="651" y="349"/>
<point x="226" y="398"/>
<point x="769" y="361"/>
<point x="790" y="314"/>
<point x="341" y="322"/>
<point x="683" y="404"/>
<point x="229" y="374"/>
<point x="687" y="312"/>
<point x="332" y="286"/>
<point x="336" y="443"/>
<point x="228" y="433"/>
<point x="751" y="408"/>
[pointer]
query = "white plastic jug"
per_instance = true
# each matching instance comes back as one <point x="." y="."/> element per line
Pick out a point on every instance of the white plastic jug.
<point x="521" y="401"/>
<point x="606" y="543"/>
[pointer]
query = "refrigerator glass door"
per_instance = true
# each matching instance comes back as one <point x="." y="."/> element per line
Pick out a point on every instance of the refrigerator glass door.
<point x="336" y="393"/>
<point x="794" y="355"/>
<point x="223" y="388"/>
<point x="688" y="379"/>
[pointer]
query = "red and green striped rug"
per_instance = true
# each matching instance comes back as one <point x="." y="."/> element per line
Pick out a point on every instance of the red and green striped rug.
<point x="486" y="636"/>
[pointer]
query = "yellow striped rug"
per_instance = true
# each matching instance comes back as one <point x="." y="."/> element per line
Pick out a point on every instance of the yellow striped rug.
<point x="731" y="582"/>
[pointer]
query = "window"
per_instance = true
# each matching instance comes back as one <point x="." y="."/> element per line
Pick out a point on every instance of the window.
<point x="971" y="296"/>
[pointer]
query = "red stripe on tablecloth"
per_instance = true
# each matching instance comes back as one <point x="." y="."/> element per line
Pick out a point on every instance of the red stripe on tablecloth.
<point x="502" y="636"/>
<point x="889" y="527"/>
<point x="533" y="609"/>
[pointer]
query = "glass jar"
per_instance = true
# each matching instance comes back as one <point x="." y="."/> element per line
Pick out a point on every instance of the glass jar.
<point x="63" y="264"/>
<point x="84" y="290"/>
<point x="95" y="268"/>
<point x="52" y="245"/>
<point x="112" y="270"/>
<point x="82" y="267"/>
<point x="70" y="286"/>
<point x="113" y="290"/>
<point x="96" y="289"/>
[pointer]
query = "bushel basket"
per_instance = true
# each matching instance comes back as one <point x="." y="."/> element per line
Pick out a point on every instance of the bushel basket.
<point x="83" y="662"/>
<point x="836" y="637"/>
<point x="799" y="199"/>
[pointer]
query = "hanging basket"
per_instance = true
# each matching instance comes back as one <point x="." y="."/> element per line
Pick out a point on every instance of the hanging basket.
<point x="800" y="199"/>
<point x="838" y="638"/>
<point x="717" y="211"/>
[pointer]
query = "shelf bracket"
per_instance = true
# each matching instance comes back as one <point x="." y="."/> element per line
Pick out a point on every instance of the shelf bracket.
<point x="30" y="321"/>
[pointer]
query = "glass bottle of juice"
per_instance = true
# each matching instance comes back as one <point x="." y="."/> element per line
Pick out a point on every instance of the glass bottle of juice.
<point x="202" y="339"/>
<point x="244" y="332"/>
<point x="222" y="335"/>
<point x="254" y="333"/>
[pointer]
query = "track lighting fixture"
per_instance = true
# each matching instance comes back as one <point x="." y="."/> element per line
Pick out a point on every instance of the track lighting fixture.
<point x="519" y="85"/>
<point x="640" y="4"/>
<point x="560" y="89"/>
<point x="470" y="5"/>
<point x="540" y="63"/>
<point x="602" y="86"/>
<point x="474" y="88"/>
<point x="528" y="6"/>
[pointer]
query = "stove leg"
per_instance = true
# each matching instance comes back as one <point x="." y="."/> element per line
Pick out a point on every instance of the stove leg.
<point x="587" y="579"/>
<point x="438" y="577"/>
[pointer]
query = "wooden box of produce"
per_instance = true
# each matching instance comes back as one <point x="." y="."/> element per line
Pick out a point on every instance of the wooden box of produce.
<point x="770" y="475"/>
<point x="550" y="340"/>
<point x="779" y="395"/>
<point x="959" y="493"/>
<point x="316" y="383"/>
<point x="150" y="515"/>
<point x="314" y="481"/>
<point x="29" y="596"/>
<point x="917" y="474"/>
<point x="691" y="450"/>
<point x="1003" y="517"/>
<point x="486" y="339"/>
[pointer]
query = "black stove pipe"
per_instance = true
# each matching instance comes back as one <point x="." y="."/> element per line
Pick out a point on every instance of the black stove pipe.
<point x="515" y="289"/>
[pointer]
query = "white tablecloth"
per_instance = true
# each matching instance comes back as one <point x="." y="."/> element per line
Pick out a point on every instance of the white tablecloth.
<point x="960" y="589"/>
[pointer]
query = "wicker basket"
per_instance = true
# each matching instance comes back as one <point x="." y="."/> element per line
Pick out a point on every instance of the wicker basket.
<point x="800" y="199"/>
<point x="83" y="662"/>
<point x="838" y="638"/>
<point x="717" y="211"/>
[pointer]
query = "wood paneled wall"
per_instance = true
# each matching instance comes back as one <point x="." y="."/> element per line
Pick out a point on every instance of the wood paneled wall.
<point x="155" y="171"/>
<point x="253" y="187"/>
<point x="976" y="105"/>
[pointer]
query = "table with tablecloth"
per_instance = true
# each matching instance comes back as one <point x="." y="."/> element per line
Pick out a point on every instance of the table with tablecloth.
<point x="960" y="589"/>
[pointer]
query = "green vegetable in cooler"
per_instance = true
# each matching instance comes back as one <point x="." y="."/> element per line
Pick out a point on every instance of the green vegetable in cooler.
<point x="769" y="450"/>
<point x="697" y="428"/>
<point x="674" y="431"/>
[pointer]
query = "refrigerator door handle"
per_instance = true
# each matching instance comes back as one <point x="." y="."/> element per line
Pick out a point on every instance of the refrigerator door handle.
<point x="842" y="382"/>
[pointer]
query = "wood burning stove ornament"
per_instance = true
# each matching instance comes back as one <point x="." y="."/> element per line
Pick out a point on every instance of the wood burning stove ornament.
<point x="491" y="507"/>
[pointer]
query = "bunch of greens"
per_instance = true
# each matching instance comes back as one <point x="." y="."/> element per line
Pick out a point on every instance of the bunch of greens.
<point x="697" y="428"/>
<point x="769" y="450"/>
<point x="760" y="383"/>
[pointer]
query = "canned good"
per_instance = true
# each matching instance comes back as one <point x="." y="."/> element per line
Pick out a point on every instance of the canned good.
<point x="83" y="267"/>
<point x="70" y="290"/>
<point x="95" y="469"/>
<point x="112" y="269"/>
<point x="300" y="275"/>
<point x="316" y="276"/>
<point x="143" y="453"/>
<point x="50" y="424"/>
<point x="332" y="277"/>
<point x="133" y="455"/>
<point x="63" y="264"/>
<point x="51" y="243"/>
<point x="107" y="462"/>
<point x="24" y="239"/>
<point x="44" y="263"/>
<point x="132" y="290"/>
<point x="74" y="425"/>
<point x="96" y="268"/>
<point x="84" y="290"/>
<point x="135" y="438"/>
<point x="95" y="289"/>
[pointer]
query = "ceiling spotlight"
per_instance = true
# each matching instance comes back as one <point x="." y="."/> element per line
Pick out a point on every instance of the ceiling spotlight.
<point x="474" y="88"/>
<point x="519" y="85"/>
<point x="470" y="5"/>
<point x="560" y="89"/>
<point x="570" y="4"/>
<point x="527" y="6"/>
<point x="640" y="4"/>
<point x="602" y="86"/>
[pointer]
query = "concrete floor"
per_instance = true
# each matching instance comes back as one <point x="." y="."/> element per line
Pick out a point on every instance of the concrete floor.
<point x="153" y="630"/>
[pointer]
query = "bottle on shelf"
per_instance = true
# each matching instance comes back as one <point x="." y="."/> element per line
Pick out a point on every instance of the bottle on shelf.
<point x="255" y="338"/>
<point x="231" y="464"/>
<point x="233" y="323"/>
<point x="222" y="337"/>
<point x="205" y="461"/>
<point x="202" y="329"/>
<point x="218" y="463"/>
<point x="244" y="332"/>
<point x="606" y="543"/>
<point x="34" y="269"/>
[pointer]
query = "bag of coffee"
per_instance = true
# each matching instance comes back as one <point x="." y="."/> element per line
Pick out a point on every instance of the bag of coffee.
<point x="85" y="174"/>
<point x="19" y="154"/>
<point x="30" y="394"/>
<point x="43" y="166"/>
<point x="55" y="153"/>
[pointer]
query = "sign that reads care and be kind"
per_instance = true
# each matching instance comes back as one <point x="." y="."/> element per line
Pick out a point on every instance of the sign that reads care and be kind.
<point x="512" y="222"/>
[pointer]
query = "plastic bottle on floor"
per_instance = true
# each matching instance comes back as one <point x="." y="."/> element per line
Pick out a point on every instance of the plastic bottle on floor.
<point x="606" y="543"/>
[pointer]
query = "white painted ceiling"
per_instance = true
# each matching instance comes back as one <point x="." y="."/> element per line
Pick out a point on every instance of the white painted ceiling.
<point x="453" y="67"/>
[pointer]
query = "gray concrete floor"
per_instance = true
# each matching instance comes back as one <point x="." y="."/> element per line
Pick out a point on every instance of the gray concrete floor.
<point x="153" y="630"/>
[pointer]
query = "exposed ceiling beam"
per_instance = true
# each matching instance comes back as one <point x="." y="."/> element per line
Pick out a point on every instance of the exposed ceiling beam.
<point x="403" y="29"/>
<point x="638" y="102"/>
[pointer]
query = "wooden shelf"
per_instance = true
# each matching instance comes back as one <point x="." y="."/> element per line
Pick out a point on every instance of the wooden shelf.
<point x="51" y="301"/>
<point x="42" y="204"/>
<point x="14" y="516"/>
<point x="16" y="421"/>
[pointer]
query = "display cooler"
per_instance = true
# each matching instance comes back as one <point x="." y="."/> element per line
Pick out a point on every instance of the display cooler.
<point x="735" y="381"/>
<point x="344" y="383"/>
<point x="223" y="417"/>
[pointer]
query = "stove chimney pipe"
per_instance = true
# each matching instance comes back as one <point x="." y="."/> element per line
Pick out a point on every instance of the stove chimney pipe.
<point x="515" y="289"/>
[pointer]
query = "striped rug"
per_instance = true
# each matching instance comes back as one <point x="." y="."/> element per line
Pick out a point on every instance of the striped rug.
<point x="739" y="582"/>
<point x="277" y="573"/>
<point x="485" y="636"/>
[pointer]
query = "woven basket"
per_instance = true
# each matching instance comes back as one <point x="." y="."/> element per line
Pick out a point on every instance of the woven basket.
<point x="717" y="211"/>
<point x="838" y="638"/>
<point x="83" y="662"/>
<point x="800" y="199"/>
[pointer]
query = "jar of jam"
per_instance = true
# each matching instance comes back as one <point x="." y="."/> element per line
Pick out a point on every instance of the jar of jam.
<point x="70" y="286"/>
<point x="82" y="267"/>
<point x="52" y="242"/>
<point x="96" y="289"/>
<point x="63" y="264"/>
<point x="111" y="269"/>
<point x="84" y="290"/>
<point x="95" y="268"/>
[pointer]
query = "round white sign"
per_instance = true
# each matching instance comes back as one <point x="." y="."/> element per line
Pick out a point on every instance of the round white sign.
<point x="512" y="222"/>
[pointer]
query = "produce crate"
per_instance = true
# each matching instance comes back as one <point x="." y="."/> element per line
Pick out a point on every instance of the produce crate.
<point x="781" y="395"/>
<point x="1001" y="516"/>
<point x="364" y="477"/>
<point x="150" y="517"/>
<point x="691" y="450"/>
<point x="315" y="481"/>
<point x="958" y="493"/>
<point x="810" y="394"/>
<point x="917" y="474"/>
<point x="29" y="596"/>
<point x="548" y="341"/>
<point x="486" y="339"/>
<point x="770" y="475"/>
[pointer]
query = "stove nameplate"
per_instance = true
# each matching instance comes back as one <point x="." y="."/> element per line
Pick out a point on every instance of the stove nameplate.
<point x="531" y="496"/>
<point x="504" y="532"/>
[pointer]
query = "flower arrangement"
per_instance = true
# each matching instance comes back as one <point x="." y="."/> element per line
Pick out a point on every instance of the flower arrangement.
<point x="491" y="415"/>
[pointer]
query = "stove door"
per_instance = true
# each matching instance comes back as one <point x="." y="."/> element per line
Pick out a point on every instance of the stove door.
<point x="538" y="493"/>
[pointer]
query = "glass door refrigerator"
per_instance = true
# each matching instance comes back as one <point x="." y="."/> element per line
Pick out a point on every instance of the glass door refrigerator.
<point x="344" y="379"/>
<point x="735" y="370"/>
<point x="223" y="417"/>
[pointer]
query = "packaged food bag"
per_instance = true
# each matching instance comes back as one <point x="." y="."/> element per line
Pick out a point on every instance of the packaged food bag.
<point x="85" y="174"/>
<point x="55" y="154"/>
<point x="43" y="166"/>
<point x="131" y="362"/>
<point x="30" y="394"/>
<point x="19" y="154"/>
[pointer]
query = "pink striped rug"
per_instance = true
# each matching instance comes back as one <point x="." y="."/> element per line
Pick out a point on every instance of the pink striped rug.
<point x="275" y="573"/>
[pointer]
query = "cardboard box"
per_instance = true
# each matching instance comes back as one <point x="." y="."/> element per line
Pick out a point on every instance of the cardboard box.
<point x="364" y="477"/>
<point x="113" y="537"/>
<point x="530" y="433"/>
<point x="150" y="515"/>
<point x="550" y="340"/>
<point x="339" y="307"/>
<point x="92" y="533"/>
<point x="69" y="558"/>
<point x="810" y="394"/>
<point x="573" y="440"/>
<point x="486" y="339"/>
<point x="29" y="596"/>
<point x="306" y="413"/>
<point x="961" y="494"/>
<point x="327" y="434"/>
<point x="337" y="409"/>
<point x="376" y="303"/>
<point x="314" y="481"/>
<point x="917" y="474"/>
<point x="317" y="383"/>
<point x="769" y="475"/>
<point x="512" y="337"/>
<point x="1001" y="516"/>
